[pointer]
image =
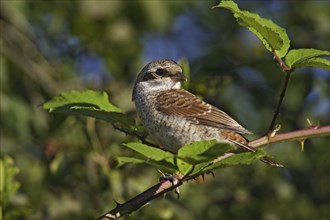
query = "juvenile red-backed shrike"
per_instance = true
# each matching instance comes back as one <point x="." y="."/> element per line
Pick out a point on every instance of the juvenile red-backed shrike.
<point x="174" y="117"/>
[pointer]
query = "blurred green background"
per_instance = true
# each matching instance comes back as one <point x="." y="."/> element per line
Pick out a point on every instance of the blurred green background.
<point x="66" y="163"/>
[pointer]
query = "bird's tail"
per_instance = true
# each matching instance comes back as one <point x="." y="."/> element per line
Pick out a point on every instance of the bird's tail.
<point x="266" y="160"/>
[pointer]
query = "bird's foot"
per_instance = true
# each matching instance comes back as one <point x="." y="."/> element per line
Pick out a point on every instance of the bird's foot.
<point x="173" y="179"/>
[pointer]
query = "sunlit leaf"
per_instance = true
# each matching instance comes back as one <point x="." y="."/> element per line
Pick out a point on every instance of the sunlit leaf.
<point x="125" y="160"/>
<point x="193" y="158"/>
<point x="237" y="159"/>
<point x="202" y="151"/>
<point x="149" y="152"/>
<point x="161" y="165"/>
<point x="307" y="57"/>
<point x="188" y="168"/>
<point x="81" y="99"/>
<point x="315" y="62"/>
<point x="161" y="159"/>
<point x="272" y="36"/>
<point x="92" y="104"/>
<point x="8" y="183"/>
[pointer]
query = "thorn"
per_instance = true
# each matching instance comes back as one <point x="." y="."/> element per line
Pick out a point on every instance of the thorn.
<point x="117" y="204"/>
<point x="177" y="192"/>
<point x="173" y="179"/>
<point x="302" y="144"/>
<point x="276" y="129"/>
<point x="203" y="177"/>
<point x="271" y="162"/>
<point x="211" y="172"/>
<point x="309" y="122"/>
<point x="160" y="171"/>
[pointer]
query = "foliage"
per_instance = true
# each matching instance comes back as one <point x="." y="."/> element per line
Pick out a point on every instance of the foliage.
<point x="8" y="186"/>
<point x="276" y="40"/>
<point x="194" y="158"/>
<point x="272" y="36"/>
<point x="307" y="57"/>
<point x="68" y="164"/>
<point x="92" y="104"/>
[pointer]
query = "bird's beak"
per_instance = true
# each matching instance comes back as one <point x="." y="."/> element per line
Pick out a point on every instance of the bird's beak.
<point x="179" y="77"/>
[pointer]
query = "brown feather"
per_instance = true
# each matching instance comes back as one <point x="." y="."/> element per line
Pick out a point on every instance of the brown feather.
<point x="182" y="103"/>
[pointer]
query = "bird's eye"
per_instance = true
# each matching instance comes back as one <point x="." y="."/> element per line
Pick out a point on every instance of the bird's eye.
<point x="160" y="72"/>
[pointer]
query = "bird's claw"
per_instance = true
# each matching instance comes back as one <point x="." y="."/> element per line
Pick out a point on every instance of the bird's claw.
<point x="170" y="177"/>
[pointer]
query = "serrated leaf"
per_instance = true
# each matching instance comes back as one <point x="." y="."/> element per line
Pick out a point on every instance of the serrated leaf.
<point x="203" y="151"/>
<point x="187" y="168"/>
<point x="125" y="160"/>
<point x="164" y="166"/>
<point x="183" y="166"/>
<point x="193" y="158"/>
<point x="315" y="62"/>
<point x="245" y="158"/>
<point x="92" y="104"/>
<point x="307" y="57"/>
<point x="195" y="148"/>
<point x="150" y="152"/>
<point x="8" y="183"/>
<point x="161" y="159"/>
<point x="161" y="165"/>
<point x="272" y="36"/>
<point x="82" y="99"/>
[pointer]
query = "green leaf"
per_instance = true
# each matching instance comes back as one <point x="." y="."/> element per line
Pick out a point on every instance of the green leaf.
<point x="316" y="62"/>
<point x="161" y="159"/>
<point x="245" y="158"/>
<point x="125" y="160"/>
<point x="87" y="99"/>
<point x="149" y="152"/>
<point x="307" y="57"/>
<point x="202" y="151"/>
<point x="161" y="165"/>
<point x="198" y="147"/>
<point x="92" y="104"/>
<point x="193" y="158"/>
<point x="184" y="63"/>
<point x="187" y="168"/>
<point x="8" y="184"/>
<point x="272" y="36"/>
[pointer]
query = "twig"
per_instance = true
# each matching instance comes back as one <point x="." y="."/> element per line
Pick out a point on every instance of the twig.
<point x="299" y="135"/>
<point x="278" y="107"/>
<point x="140" y="200"/>
<point x="144" y="197"/>
<point x="141" y="137"/>
<point x="161" y="188"/>
<point x="284" y="67"/>
<point x="288" y="71"/>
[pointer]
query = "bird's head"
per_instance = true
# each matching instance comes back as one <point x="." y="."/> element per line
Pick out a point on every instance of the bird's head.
<point x="160" y="75"/>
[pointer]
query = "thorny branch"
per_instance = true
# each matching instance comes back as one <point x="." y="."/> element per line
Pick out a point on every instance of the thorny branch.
<point x="163" y="187"/>
<point x="288" y="72"/>
<point x="270" y="138"/>
<point x="142" y="137"/>
<point x="300" y="135"/>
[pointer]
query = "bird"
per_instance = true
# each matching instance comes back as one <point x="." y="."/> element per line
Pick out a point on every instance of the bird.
<point x="174" y="117"/>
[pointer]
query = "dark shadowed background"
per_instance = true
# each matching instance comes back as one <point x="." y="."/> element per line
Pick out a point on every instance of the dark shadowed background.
<point x="65" y="162"/>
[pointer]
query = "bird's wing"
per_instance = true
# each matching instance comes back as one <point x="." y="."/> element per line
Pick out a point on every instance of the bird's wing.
<point x="182" y="103"/>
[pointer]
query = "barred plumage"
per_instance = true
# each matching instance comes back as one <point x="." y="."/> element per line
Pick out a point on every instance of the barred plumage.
<point x="174" y="117"/>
